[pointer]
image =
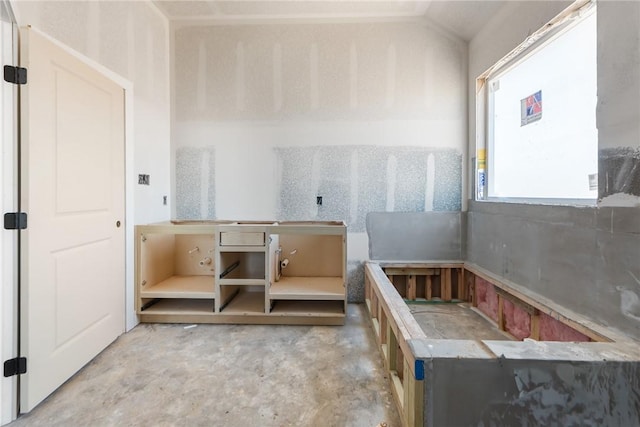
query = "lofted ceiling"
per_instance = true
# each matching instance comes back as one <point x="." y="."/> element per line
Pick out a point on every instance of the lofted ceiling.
<point x="462" y="18"/>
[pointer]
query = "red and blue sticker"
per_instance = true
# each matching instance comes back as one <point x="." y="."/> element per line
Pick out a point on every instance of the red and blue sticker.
<point x="531" y="108"/>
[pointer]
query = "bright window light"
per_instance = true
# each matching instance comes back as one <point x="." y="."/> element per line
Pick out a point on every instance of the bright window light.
<point x="542" y="135"/>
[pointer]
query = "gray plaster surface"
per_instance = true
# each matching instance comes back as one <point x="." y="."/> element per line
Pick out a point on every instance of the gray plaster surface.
<point x="449" y="349"/>
<point x="453" y="321"/>
<point x="571" y="351"/>
<point x="229" y="375"/>
<point x="504" y="392"/>
<point x="585" y="259"/>
<point x="415" y="236"/>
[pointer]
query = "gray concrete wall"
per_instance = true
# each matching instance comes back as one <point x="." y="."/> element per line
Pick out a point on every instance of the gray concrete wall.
<point x="501" y="383"/>
<point x="415" y="236"/>
<point x="586" y="259"/>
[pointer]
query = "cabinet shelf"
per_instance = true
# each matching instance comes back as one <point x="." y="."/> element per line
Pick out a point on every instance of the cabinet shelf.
<point x="308" y="308"/>
<point x="307" y="288"/>
<point x="246" y="303"/>
<point x="241" y="248"/>
<point x="197" y="287"/>
<point x="181" y="306"/>
<point x="242" y="282"/>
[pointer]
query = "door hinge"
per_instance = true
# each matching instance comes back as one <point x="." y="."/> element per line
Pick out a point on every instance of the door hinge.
<point x="15" y="221"/>
<point x="15" y="75"/>
<point x="16" y="366"/>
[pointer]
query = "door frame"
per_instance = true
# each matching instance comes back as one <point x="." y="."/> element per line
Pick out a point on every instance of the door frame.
<point x="9" y="173"/>
<point x="130" y="316"/>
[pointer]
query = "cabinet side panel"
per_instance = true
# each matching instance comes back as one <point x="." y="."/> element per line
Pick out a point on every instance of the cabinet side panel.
<point x="315" y="255"/>
<point x="157" y="261"/>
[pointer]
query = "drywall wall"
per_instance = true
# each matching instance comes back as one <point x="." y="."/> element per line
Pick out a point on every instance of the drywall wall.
<point x="129" y="42"/>
<point x="491" y="383"/>
<point x="587" y="259"/>
<point x="130" y="39"/>
<point x="369" y="116"/>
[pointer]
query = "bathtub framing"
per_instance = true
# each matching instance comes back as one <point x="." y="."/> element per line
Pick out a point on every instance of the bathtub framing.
<point x="389" y="284"/>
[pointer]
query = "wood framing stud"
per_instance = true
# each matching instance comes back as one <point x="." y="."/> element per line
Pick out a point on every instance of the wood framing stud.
<point x="535" y="325"/>
<point x="462" y="295"/>
<point x="446" y="284"/>
<point x="501" y="324"/>
<point x="411" y="287"/>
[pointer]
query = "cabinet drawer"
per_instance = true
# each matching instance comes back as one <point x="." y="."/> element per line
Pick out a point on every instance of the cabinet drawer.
<point x="228" y="238"/>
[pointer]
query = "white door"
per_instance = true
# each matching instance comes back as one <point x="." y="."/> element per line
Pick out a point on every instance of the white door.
<point x="73" y="259"/>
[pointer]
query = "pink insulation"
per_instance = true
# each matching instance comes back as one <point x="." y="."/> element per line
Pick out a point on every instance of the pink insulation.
<point x="487" y="298"/>
<point x="554" y="330"/>
<point x="516" y="320"/>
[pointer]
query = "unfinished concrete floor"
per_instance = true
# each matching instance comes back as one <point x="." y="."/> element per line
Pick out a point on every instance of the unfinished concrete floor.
<point x="453" y="321"/>
<point x="229" y="375"/>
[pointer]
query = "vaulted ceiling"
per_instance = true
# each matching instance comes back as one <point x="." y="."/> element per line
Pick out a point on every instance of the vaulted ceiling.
<point x="462" y="18"/>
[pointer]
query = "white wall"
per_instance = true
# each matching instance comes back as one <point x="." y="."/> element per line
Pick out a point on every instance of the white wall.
<point x="130" y="39"/>
<point x="370" y="116"/>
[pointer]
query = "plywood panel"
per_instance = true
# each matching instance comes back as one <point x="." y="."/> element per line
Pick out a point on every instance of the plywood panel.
<point x="315" y="255"/>
<point x="157" y="260"/>
<point x="194" y="254"/>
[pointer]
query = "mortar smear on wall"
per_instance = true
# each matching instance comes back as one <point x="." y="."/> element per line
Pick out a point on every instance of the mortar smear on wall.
<point x="195" y="183"/>
<point x="356" y="180"/>
<point x="619" y="171"/>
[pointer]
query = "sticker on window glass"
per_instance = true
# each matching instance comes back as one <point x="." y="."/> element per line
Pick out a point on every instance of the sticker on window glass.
<point x="531" y="108"/>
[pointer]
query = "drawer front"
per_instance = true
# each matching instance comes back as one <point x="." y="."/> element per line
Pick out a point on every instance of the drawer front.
<point x="241" y="239"/>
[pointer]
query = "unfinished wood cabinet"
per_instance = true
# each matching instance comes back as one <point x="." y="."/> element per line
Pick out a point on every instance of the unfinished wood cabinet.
<point x="174" y="269"/>
<point x="309" y="269"/>
<point x="241" y="272"/>
<point x="243" y="256"/>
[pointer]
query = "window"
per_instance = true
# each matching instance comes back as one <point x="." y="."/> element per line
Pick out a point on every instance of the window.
<point x="542" y="140"/>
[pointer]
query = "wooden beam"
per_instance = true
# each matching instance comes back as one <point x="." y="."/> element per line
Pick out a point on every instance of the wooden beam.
<point x="445" y="285"/>
<point x="535" y="326"/>
<point x="501" y="313"/>
<point x="413" y="407"/>
<point x="390" y="271"/>
<point x="562" y="314"/>
<point x="429" y="290"/>
<point x="432" y="264"/>
<point x="515" y="301"/>
<point x="411" y="287"/>
<point x="461" y="285"/>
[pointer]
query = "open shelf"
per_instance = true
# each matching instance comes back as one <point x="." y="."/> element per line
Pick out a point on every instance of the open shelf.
<point x="199" y="287"/>
<point x="245" y="302"/>
<point x="181" y="306"/>
<point x="242" y="265"/>
<point x="308" y="308"/>
<point x="307" y="288"/>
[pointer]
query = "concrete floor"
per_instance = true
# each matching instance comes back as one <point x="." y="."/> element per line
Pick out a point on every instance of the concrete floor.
<point x="229" y="375"/>
<point x="453" y="321"/>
